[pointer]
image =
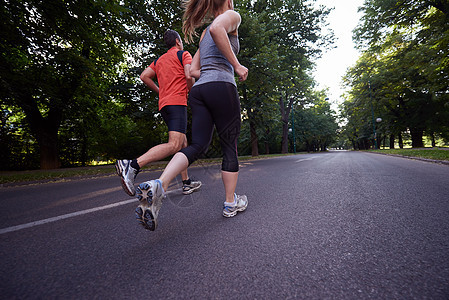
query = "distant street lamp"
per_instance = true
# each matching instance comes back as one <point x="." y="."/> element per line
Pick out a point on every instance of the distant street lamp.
<point x="378" y="120"/>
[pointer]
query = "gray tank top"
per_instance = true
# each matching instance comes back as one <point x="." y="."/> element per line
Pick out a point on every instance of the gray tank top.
<point x="214" y="66"/>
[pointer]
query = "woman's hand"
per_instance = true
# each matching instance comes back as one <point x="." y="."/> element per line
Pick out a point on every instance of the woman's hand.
<point x="242" y="72"/>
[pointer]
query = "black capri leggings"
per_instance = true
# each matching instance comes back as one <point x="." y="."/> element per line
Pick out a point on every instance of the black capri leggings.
<point x="215" y="103"/>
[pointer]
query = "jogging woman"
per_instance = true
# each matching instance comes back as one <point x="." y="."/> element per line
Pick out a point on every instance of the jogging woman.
<point x="214" y="101"/>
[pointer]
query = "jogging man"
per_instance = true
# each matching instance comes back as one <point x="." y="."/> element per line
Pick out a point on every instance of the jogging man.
<point x="172" y="70"/>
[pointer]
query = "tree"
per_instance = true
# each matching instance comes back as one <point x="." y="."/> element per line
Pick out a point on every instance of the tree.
<point x="58" y="59"/>
<point x="279" y="41"/>
<point x="406" y="64"/>
<point x="69" y="74"/>
<point x="315" y="124"/>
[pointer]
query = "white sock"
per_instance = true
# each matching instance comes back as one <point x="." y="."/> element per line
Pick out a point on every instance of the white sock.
<point x="234" y="203"/>
<point x="163" y="192"/>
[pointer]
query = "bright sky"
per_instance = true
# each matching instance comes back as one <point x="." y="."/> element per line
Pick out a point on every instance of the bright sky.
<point x="334" y="63"/>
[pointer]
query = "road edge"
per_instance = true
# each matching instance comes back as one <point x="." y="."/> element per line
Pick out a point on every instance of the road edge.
<point x="436" y="161"/>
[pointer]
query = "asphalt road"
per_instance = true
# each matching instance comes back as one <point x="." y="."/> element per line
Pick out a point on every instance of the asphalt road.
<point x="338" y="225"/>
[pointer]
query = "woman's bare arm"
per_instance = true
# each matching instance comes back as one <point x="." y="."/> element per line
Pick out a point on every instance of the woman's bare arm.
<point x="228" y="22"/>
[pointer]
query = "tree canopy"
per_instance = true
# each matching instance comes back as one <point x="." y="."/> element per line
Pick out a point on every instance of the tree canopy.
<point x="402" y="76"/>
<point x="71" y="94"/>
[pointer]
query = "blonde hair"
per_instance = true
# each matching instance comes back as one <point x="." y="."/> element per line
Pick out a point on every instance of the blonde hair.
<point x="196" y="13"/>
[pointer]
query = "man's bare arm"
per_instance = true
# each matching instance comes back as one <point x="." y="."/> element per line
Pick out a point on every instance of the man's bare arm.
<point x="147" y="77"/>
<point x="189" y="78"/>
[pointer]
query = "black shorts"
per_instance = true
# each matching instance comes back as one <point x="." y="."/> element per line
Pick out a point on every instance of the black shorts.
<point x="175" y="116"/>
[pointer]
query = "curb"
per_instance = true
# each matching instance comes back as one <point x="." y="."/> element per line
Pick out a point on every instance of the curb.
<point x="436" y="161"/>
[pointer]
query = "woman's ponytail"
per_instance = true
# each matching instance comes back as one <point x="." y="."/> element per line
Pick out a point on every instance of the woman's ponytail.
<point x="196" y="13"/>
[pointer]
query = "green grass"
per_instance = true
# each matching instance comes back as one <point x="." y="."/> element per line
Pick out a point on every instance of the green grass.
<point x="35" y="175"/>
<point x="431" y="153"/>
<point x="60" y="174"/>
<point x="103" y="170"/>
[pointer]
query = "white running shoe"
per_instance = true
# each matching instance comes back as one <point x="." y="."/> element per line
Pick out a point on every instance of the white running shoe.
<point x="127" y="175"/>
<point x="150" y="194"/>
<point x="241" y="203"/>
<point x="190" y="188"/>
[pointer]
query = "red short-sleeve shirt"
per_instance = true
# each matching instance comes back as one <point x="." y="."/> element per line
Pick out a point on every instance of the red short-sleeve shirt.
<point x="171" y="77"/>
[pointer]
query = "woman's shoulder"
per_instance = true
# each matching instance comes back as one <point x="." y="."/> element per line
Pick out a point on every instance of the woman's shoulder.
<point x="232" y="14"/>
<point x="230" y="19"/>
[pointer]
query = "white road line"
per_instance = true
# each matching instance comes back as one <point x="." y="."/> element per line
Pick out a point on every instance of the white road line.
<point x="58" y="218"/>
<point x="303" y="159"/>
<point x="62" y="217"/>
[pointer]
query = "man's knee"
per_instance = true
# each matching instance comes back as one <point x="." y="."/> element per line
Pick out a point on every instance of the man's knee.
<point x="177" y="142"/>
<point x="184" y="143"/>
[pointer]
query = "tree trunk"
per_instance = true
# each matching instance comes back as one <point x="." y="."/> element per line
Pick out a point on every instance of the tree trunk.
<point x="417" y="134"/>
<point x="400" y="141"/>
<point x="284" y="142"/>
<point x="432" y="136"/>
<point x="267" y="144"/>
<point x="254" y="139"/>
<point x="391" y="141"/>
<point x="49" y="154"/>
<point x="84" y="150"/>
<point x="285" y="112"/>
<point x="252" y="127"/>
<point x="45" y="130"/>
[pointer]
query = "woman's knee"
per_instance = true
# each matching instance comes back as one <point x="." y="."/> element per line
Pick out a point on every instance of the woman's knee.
<point x="194" y="152"/>
<point x="230" y="164"/>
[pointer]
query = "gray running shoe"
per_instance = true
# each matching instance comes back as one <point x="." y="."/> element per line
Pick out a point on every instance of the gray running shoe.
<point x="241" y="204"/>
<point x="127" y="174"/>
<point x="190" y="188"/>
<point x="150" y="195"/>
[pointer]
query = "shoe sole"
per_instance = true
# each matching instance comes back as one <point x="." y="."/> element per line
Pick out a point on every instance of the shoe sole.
<point x="230" y="215"/>
<point x="119" y="171"/>
<point x="145" y="218"/>
<point x="144" y="215"/>
<point x="192" y="190"/>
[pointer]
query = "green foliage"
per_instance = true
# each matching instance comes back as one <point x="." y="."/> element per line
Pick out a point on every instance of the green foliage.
<point x="70" y="91"/>
<point x="402" y="75"/>
<point x="63" y="66"/>
<point x="279" y="41"/>
<point x="57" y="61"/>
<point x="19" y="150"/>
<point x="315" y="125"/>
